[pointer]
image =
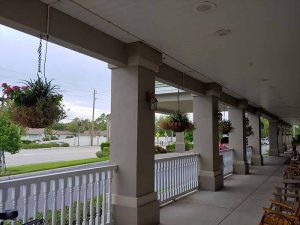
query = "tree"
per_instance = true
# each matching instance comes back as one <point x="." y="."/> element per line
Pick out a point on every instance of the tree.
<point x="264" y="128"/>
<point x="10" y="138"/>
<point x="101" y="122"/>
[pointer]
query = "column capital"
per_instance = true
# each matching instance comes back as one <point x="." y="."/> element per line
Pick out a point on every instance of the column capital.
<point x="140" y="54"/>
<point x="213" y="89"/>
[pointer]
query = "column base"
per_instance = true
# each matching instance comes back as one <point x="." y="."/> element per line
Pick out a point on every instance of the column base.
<point x="211" y="180"/>
<point x="240" y="167"/>
<point x="136" y="211"/>
<point x="179" y="147"/>
<point x="273" y="152"/>
<point x="257" y="160"/>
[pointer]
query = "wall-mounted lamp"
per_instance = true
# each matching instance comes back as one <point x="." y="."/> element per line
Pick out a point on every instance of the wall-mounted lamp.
<point x="151" y="99"/>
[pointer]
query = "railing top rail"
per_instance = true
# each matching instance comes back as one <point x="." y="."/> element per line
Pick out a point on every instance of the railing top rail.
<point x="177" y="157"/>
<point x="55" y="176"/>
<point x="226" y="150"/>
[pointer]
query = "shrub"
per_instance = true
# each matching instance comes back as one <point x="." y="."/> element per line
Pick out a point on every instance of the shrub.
<point x="188" y="146"/>
<point x="37" y="145"/>
<point x="159" y="150"/>
<point x="46" y="138"/>
<point x="99" y="154"/>
<point x="170" y="147"/>
<point x="53" y="137"/>
<point x="104" y="144"/>
<point x="66" y="218"/>
<point x="65" y="145"/>
<point x="26" y="141"/>
<point x="106" y="149"/>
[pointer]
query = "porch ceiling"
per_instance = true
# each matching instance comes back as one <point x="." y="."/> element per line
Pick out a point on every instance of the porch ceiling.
<point x="258" y="60"/>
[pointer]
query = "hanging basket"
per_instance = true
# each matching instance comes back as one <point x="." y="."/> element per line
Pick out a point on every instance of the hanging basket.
<point x="225" y="127"/>
<point x="164" y="124"/>
<point x="178" y="126"/>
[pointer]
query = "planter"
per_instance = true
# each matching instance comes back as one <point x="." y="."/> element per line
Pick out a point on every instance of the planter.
<point x="178" y="126"/>
<point x="164" y="124"/>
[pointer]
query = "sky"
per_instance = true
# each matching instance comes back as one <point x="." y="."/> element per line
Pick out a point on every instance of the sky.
<point x="76" y="74"/>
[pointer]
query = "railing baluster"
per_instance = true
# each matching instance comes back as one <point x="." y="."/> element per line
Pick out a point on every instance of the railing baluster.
<point x="84" y="189"/>
<point x="77" y="188"/>
<point x="63" y="203"/>
<point x="97" y="219"/>
<point x="103" y="181"/>
<point x="91" y="186"/>
<point x="35" y="195"/>
<point x="109" y="200"/>
<point x="54" y="195"/>
<point x="25" y="193"/>
<point x="13" y="201"/>
<point x="45" y="198"/>
<point x="70" y="186"/>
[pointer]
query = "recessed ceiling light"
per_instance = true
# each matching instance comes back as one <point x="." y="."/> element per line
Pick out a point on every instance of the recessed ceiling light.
<point x="206" y="6"/>
<point x="223" y="32"/>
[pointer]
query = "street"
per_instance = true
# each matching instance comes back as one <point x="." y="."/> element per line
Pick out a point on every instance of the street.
<point x="29" y="156"/>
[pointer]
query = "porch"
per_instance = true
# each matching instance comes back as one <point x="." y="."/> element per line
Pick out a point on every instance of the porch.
<point x="239" y="202"/>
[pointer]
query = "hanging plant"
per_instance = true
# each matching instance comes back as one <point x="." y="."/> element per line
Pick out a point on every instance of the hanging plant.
<point x="249" y="129"/>
<point x="225" y="126"/>
<point x="177" y="122"/>
<point x="35" y="105"/>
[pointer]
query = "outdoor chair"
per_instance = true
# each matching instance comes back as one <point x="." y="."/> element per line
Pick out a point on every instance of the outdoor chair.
<point x="271" y="218"/>
<point x="280" y="210"/>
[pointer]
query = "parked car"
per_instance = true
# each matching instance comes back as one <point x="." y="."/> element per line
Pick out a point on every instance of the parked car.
<point x="224" y="143"/>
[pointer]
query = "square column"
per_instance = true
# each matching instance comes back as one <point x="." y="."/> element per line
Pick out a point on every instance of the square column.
<point x="237" y="140"/>
<point x="280" y="139"/>
<point x="179" y="145"/>
<point x="206" y="142"/>
<point x="132" y="147"/>
<point x="273" y="138"/>
<point x="255" y="139"/>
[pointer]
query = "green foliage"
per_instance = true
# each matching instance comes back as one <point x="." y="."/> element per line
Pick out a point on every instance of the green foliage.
<point x="65" y="145"/>
<point x="188" y="136"/>
<point x="101" y="122"/>
<point x="170" y="147"/>
<point x="37" y="104"/>
<point x="225" y="126"/>
<point x="37" y="145"/>
<point x="26" y="141"/>
<point x="66" y="217"/>
<point x="10" y="139"/>
<point x="264" y="128"/>
<point x="104" y="144"/>
<point x="29" y="168"/>
<point x="188" y="146"/>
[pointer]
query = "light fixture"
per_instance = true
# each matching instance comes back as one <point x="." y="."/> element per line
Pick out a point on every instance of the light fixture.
<point x="223" y="32"/>
<point x="206" y="6"/>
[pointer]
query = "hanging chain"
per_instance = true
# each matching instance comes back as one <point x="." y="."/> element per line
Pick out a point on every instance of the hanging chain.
<point x="178" y="104"/>
<point x="39" y="51"/>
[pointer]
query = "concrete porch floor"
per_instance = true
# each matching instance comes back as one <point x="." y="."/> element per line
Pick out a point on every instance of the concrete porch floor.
<point x="240" y="202"/>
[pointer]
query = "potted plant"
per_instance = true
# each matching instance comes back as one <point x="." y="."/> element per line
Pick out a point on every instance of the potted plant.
<point x="37" y="104"/>
<point x="225" y="126"/>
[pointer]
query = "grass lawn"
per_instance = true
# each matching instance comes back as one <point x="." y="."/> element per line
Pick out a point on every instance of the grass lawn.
<point x="14" y="170"/>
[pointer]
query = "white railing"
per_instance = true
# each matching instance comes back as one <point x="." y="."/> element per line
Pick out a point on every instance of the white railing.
<point x="249" y="154"/>
<point x="227" y="162"/>
<point x="176" y="176"/>
<point x="73" y="197"/>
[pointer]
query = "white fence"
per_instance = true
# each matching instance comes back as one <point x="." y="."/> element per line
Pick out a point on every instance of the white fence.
<point x="79" y="196"/>
<point x="176" y="176"/>
<point x="249" y="154"/>
<point x="227" y="162"/>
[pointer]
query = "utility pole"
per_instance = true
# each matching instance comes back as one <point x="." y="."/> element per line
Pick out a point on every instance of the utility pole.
<point x="93" y="117"/>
